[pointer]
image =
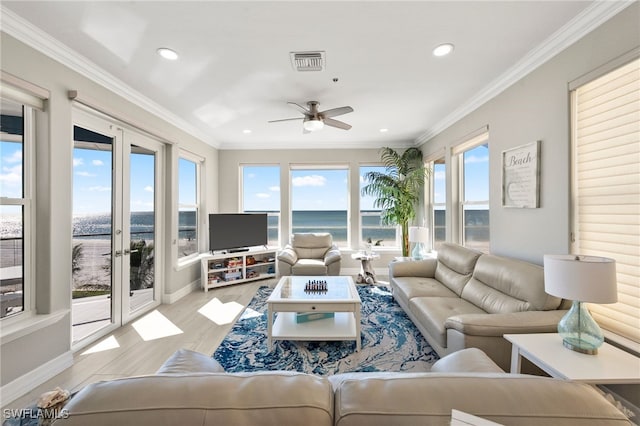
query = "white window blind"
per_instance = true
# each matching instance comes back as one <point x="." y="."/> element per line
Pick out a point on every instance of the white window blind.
<point x="606" y="179"/>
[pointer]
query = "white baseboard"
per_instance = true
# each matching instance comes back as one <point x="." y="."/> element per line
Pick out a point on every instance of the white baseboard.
<point x="168" y="299"/>
<point x="27" y="382"/>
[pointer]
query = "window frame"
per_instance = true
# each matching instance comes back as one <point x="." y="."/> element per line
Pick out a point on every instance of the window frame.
<point x="183" y="261"/>
<point x="269" y="213"/>
<point x="323" y="166"/>
<point x="27" y="202"/>
<point x="476" y="139"/>
<point x="431" y="204"/>
<point x="395" y="246"/>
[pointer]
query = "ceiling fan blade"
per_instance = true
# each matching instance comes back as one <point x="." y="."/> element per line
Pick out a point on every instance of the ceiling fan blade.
<point x="299" y="107"/>
<point x="285" y="119"/>
<point x="336" y="111"/>
<point x="336" y="123"/>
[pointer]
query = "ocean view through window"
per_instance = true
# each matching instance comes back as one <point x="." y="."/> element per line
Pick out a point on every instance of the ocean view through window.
<point x="15" y="208"/>
<point x="261" y="194"/>
<point x="319" y="200"/>
<point x="475" y="205"/>
<point x="188" y="202"/>
<point x="439" y="202"/>
<point x="371" y="228"/>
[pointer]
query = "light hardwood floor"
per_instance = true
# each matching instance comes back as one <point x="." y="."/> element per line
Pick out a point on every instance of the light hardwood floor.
<point x="135" y="356"/>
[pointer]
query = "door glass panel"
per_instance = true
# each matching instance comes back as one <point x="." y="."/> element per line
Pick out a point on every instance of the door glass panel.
<point x="91" y="262"/>
<point x="142" y="227"/>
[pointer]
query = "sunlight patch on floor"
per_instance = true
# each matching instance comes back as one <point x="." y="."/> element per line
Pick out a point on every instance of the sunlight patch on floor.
<point x="106" y="344"/>
<point x="250" y="313"/>
<point x="155" y="326"/>
<point x="221" y="313"/>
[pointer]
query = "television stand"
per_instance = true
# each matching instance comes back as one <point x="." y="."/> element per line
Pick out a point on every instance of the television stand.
<point x="231" y="268"/>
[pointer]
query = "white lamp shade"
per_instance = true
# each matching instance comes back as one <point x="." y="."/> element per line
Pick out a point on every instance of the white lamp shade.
<point x="312" y="125"/>
<point x="418" y="234"/>
<point x="581" y="278"/>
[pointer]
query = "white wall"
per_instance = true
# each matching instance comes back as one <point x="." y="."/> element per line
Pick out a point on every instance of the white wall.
<point x="537" y="108"/>
<point x="22" y="355"/>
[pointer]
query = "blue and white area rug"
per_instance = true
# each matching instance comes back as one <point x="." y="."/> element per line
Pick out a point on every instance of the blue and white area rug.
<point x="390" y="342"/>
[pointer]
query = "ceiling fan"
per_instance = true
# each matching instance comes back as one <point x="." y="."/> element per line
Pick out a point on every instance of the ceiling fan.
<point x="314" y="120"/>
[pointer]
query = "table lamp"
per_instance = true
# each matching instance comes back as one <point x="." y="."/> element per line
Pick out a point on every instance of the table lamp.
<point x="419" y="236"/>
<point x="580" y="279"/>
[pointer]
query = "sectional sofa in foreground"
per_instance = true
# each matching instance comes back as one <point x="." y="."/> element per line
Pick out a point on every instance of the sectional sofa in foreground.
<point x="192" y="389"/>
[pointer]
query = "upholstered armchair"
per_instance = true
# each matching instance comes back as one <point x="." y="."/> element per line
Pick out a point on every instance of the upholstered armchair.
<point x="309" y="254"/>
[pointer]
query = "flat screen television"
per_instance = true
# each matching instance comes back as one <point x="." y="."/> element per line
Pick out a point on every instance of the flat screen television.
<point x="237" y="231"/>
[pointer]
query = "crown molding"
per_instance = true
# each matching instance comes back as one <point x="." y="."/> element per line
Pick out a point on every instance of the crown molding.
<point x="586" y="21"/>
<point x="301" y="144"/>
<point x="27" y="33"/>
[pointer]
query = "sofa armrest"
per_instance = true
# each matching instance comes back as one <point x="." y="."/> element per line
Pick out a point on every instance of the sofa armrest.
<point x="469" y="360"/>
<point x="185" y="361"/>
<point x="288" y="255"/>
<point x="413" y="268"/>
<point x="332" y="255"/>
<point x="511" y="323"/>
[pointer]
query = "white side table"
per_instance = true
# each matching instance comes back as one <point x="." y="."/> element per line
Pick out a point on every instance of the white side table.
<point x="610" y="366"/>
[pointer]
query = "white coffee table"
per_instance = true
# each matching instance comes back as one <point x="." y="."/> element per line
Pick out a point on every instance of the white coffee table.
<point x="610" y="366"/>
<point x="289" y="297"/>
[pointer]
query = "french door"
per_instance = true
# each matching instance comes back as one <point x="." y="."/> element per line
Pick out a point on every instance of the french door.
<point x="117" y="206"/>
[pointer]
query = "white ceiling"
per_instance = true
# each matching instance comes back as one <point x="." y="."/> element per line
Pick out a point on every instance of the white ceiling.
<point x="234" y="71"/>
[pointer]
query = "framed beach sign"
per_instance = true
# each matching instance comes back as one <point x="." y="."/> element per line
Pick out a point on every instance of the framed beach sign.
<point x="521" y="176"/>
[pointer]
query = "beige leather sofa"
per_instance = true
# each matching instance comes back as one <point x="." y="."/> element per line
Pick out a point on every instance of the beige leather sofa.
<point x="309" y="254"/>
<point x="190" y="389"/>
<point x="466" y="299"/>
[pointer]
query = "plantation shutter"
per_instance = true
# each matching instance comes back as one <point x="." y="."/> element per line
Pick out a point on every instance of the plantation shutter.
<point x="607" y="188"/>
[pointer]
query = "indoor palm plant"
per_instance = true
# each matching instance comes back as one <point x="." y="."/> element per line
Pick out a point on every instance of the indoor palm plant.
<point x="398" y="189"/>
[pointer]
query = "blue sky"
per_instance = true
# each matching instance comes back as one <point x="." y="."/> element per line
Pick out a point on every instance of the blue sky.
<point x="311" y="189"/>
<point x="92" y="181"/>
<point x="11" y="169"/>
<point x="315" y="189"/>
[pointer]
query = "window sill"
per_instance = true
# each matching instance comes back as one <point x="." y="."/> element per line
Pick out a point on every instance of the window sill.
<point x="29" y="324"/>
<point x="188" y="261"/>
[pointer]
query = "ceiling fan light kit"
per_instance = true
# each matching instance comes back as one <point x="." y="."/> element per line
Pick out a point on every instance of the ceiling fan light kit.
<point x="311" y="125"/>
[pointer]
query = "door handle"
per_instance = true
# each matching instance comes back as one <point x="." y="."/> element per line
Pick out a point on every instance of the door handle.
<point x="127" y="251"/>
<point x="118" y="253"/>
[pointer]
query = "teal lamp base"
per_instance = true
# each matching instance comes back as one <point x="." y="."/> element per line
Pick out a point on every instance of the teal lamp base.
<point x="417" y="252"/>
<point x="579" y="331"/>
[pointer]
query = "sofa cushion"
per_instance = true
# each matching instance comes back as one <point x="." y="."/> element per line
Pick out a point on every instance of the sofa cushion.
<point x="455" y="266"/>
<point x="406" y="288"/>
<point x="502" y="285"/>
<point x="311" y="245"/>
<point x="470" y="360"/>
<point x="187" y="361"/>
<point x="432" y="313"/>
<point x="262" y="398"/>
<point x="309" y="267"/>
<point x="509" y="399"/>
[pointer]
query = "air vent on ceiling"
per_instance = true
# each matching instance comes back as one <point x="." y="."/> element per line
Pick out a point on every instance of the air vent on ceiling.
<point x="307" y="61"/>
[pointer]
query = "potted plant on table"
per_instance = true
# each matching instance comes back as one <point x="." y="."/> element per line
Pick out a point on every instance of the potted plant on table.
<point x="397" y="190"/>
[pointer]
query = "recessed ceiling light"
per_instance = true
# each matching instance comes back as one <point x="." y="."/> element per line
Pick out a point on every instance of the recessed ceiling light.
<point x="167" y="53"/>
<point x="246" y="131"/>
<point x="384" y="130"/>
<point x="443" y="49"/>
